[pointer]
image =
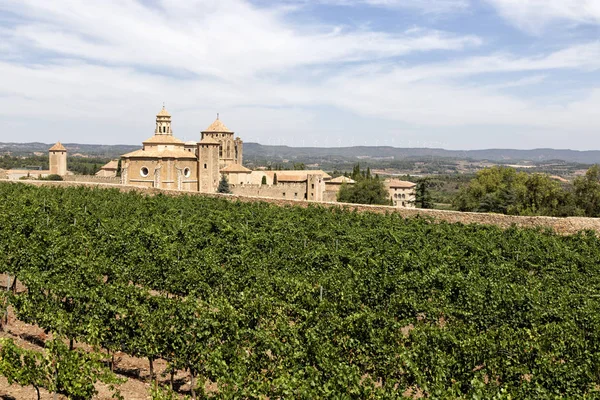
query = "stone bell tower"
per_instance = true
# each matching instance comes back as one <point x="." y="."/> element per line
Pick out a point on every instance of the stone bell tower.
<point x="163" y="123"/>
<point x="230" y="149"/>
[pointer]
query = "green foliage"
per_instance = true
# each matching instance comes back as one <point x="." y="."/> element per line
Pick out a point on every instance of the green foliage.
<point x="587" y="192"/>
<point x="160" y="393"/>
<point x="78" y="165"/>
<point x="223" y="185"/>
<point x="73" y="373"/>
<point x="264" y="180"/>
<point x="366" y="190"/>
<point x="52" y="177"/>
<point x="291" y="302"/>
<point x="423" y="194"/>
<point x="506" y="191"/>
<point x="119" y="168"/>
<point x="275" y="179"/>
<point x="299" y="166"/>
<point x="23" y="367"/>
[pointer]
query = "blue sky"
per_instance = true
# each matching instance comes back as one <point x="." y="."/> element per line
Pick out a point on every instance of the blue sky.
<point x="457" y="74"/>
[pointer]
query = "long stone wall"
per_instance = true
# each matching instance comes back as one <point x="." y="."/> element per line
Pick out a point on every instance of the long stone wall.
<point x="92" y="179"/>
<point x="569" y="225"/>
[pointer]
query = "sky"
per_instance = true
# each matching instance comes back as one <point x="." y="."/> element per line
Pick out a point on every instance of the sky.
<point x="454" y="74"/>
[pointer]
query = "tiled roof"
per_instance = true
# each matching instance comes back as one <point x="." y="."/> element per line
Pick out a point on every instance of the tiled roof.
<point x="218" y="126"/>
<point x="160" y="153"/>
<point x="163" y="139"/>
<point x="396" y="183"/>
<point x="236" y="168"/>
<point x="113" y="164"/>
<point x="57" y="147"/>
<point x="291" y="177"/>
<point x="341" y="179"/>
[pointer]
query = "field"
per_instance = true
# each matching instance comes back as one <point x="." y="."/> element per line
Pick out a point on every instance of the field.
<point x="259" y="301"/>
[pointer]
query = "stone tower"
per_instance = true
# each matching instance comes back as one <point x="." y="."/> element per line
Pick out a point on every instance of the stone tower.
<point x="315" y="187"/>
<point x="208" y="165"/>
<point x="58" y="159"/>
<point x="239" y="150"/>
<point x="163" y="123"/>
<point x="230" y="149"/>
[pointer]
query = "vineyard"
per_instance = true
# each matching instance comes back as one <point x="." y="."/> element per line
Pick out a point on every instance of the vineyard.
<point x="276" y="302"/>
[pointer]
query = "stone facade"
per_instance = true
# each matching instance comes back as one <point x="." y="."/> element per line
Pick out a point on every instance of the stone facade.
<point x="286" y="191"/>
<point x="294" y="185"/>
<point x="165" y="162"/>
<point x="402" y="193"/>
<point x="230" y="149"/>
<point x="58" y="159"/>
<point x="109" y="170"/>
<point x="208" y="165"/>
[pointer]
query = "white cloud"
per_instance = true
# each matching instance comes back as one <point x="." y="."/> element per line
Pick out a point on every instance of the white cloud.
<point x="206" y="37"/>
<point x="534" y="15"/>
<point x="112" y="63"/>
<point x="426" y="6"/>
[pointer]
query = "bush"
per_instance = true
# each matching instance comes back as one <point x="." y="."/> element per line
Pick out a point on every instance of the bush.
<point x="52" y="177"/>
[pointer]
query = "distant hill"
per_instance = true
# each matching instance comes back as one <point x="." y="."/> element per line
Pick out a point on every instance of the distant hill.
<point x="378" y="152"/>
<point x="93" y="150"/>
<point x="274" y="153"/>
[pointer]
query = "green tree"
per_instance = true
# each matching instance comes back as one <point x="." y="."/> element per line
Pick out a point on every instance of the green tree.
<point x="299" y="166"/>
<point x="223" y="185"/>
<point x="275" y="179"/>
<point x="492" y="190"/>
<point x="587" y="192"/>
<point x="506" y="191"/>
<point x="264" y="180"/>
<point x="119" y="167"/>
<point x="423" y="194"/>
<point x="365" y="191"/>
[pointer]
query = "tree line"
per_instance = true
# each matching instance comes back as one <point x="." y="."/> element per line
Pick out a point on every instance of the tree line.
<point x="505" y="190"/>
<point x="78" y="165"/>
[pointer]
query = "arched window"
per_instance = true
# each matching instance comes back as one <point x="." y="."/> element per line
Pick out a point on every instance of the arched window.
<point x="164" y="129"/>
